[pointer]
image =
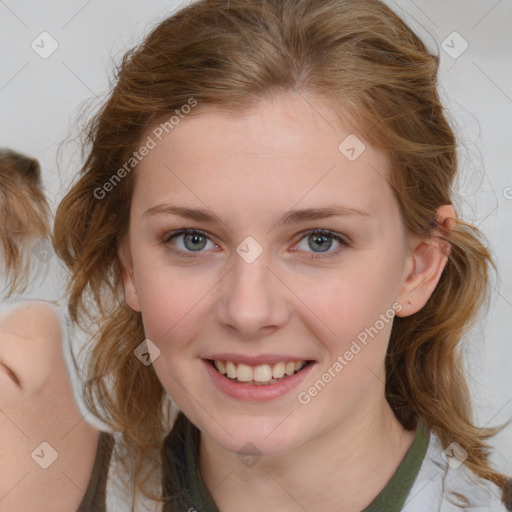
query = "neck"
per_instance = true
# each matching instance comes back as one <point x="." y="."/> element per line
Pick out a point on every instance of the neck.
<point x="344" y="469"/>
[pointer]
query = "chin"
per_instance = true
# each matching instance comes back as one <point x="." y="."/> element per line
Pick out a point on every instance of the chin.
<point x="256" y="437"/>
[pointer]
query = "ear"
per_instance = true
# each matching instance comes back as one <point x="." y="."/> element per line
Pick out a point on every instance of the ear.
<point x="428" y="258"/>
<point x="130" y="290"/>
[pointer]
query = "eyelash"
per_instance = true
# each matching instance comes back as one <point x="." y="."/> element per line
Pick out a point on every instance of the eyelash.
<point x="312" y="256"/>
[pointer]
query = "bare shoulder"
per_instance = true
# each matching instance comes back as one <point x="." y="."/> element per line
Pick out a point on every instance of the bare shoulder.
<point x="47" y="448"/>
<point x="31" y="319"/>
<point x="31" y="338"/>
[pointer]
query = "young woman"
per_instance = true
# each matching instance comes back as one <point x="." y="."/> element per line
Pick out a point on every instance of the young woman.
<point x="265" y="215"/>
<point x="42" y="432"/>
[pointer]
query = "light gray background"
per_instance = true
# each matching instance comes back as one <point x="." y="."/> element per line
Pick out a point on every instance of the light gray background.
<point x="40" y="115"/>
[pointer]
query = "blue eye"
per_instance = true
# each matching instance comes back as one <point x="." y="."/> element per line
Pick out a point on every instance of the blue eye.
<point x="192" y="241"/>
<point x="322" y="239"/>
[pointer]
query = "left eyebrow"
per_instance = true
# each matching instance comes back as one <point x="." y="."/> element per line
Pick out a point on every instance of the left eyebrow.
<point x="294" y="216"/>
<point x="287" y="218"/>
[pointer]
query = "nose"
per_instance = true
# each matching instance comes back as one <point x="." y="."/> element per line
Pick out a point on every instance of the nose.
<point x="252" y="300"/>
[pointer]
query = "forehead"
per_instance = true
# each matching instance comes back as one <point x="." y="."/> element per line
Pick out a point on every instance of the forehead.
<point x="292" y="150"/>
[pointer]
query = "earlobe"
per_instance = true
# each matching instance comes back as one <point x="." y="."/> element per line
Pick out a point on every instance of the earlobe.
<point x="130" y="290"/>
<point x="428" y="260"/>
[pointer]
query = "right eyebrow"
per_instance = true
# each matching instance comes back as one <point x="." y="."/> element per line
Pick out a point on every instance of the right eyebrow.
<point x="198" y="214"/>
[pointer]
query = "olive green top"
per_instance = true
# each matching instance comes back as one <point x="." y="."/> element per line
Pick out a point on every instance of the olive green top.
<point x="94" y="499"/>
<point x="187" y="489"/>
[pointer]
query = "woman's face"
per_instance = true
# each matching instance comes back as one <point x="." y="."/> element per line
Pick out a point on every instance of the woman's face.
<point x="255" y="289"/>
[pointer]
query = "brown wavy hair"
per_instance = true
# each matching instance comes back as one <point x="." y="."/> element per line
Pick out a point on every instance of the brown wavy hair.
<point x="362" y="57"/>
<point x="24" y="214"/>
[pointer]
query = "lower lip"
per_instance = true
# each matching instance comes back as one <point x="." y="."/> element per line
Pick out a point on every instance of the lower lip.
<point x="254" y="393"/>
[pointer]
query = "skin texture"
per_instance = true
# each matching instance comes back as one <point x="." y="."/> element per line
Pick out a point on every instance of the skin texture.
<point x="338" y="451"/>
<point x="36" y="405"/>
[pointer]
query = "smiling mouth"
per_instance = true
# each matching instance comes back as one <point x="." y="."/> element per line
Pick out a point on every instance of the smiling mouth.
<point x="259" y="375"/>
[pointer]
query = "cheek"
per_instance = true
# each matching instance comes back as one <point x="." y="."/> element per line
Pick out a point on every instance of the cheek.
<point x="358" y="309"/>
<point x="356" y="297"/>
<point x="171" y="301"/>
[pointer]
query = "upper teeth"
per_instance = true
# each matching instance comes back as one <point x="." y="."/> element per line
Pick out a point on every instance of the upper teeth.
<point x="259" y="373"/>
